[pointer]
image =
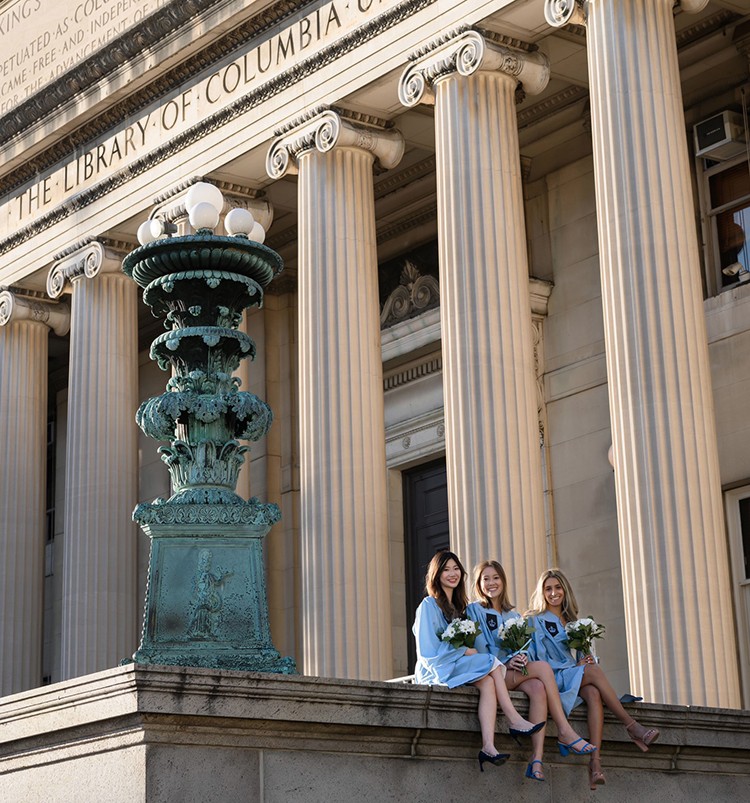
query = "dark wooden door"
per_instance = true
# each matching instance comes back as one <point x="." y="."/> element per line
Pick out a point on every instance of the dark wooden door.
<point x="425" y="531"/>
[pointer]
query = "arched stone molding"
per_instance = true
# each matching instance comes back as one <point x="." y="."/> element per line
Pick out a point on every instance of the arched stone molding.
<point x="495" y="487"/>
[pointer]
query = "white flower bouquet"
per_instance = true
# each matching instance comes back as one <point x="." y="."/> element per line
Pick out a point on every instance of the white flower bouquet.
<point x="515" y="636"/>
<point x="461" y="633"/>
<point x="581" y="635"/>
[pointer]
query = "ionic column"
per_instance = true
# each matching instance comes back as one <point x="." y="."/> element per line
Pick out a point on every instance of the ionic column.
<point x="99" y="598"/>
<point x="24" y="326"/>
<point x="343" y="504"/>
<point x="495" y="489"/>
<point x="672" y="540"/>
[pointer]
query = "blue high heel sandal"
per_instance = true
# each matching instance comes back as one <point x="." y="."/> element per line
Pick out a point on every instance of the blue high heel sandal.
<point x="535" y="775"/>
<point x="571" y="748"/>
<point x="515" y="733"/>
<point x="497" y="760"/>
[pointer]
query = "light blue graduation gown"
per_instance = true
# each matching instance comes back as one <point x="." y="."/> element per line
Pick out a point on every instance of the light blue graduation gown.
<point x="549" y="644"/>
<point x="437" y="662"/>
<point x="490" y="621"/>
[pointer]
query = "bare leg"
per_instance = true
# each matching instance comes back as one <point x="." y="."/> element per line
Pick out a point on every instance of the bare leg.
<point x="595" y="717"/>
<point x="501" y="690"/>
<point x="594" y="676"/>
<point x="533" y="688"/>
<point x="487" y="713"/>
<point x="543" y="671"/>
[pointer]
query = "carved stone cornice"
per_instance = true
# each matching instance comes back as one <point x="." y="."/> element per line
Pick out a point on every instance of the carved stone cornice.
<point x="466" y="52"/>
<point x="87" y="260"/>
<point x="263" y="93"/>
<point x="551" y="106"/>
<point x="15" y="305"/>
<point x="326" y="130"/>
<point x="132" y="44"/>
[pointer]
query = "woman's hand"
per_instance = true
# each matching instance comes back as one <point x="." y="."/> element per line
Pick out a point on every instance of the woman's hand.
<point x="586" y="659"/>
<point x="517" y="662"/>
<point x="471" y="651"/>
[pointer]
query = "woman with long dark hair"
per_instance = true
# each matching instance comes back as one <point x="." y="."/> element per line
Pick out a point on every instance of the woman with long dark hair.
<point x="438" y="662"/>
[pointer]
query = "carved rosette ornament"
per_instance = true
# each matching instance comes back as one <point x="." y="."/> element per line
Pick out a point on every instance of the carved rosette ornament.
<point x="325" y="130"/>
<point x="206" y="601"/>
<point x="465" y="53"/>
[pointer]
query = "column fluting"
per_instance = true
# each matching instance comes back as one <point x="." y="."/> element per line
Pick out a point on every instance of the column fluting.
<point x="99" y="597"/>
<point x="672" y="540"/>
<point x="23" y="427"/>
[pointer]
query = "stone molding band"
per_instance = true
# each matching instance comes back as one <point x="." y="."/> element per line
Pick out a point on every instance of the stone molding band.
<point x="87" y="261"/>
<point x="324" y="132"/>
<point x="465" y="53"/>
<point x="559" y="13"/>
<point x="16" y="307"/>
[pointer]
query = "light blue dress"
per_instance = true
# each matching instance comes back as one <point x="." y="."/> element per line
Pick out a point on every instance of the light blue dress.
<point x="437" y="662"/>
<point x="549" y="644"/>
<point x="490" y="622"/>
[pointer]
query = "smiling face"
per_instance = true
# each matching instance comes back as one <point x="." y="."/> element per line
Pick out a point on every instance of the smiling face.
<point x="450" y="577"/>
<point x="554" y="593"/>
<point x="490" y="583"/>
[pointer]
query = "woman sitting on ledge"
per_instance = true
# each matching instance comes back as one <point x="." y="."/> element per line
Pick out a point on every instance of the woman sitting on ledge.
<point x="534" y="678"/>
<point x="438" y="662"/>
<point x="553" y="605"/>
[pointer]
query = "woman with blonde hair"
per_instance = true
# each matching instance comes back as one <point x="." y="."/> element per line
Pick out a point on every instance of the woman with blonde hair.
<point x="553" y="605"/>
<point x="440" y="663"/>
<point x="534" y="678"/>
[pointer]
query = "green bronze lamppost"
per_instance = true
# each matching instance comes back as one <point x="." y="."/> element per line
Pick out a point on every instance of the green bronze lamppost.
<point x="206" y="602"/>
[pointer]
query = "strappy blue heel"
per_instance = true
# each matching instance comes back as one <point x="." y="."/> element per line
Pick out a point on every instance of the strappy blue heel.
<point x="535" y="775"/>
<point x="571" y="748"/>
<point x="495" y="760"/>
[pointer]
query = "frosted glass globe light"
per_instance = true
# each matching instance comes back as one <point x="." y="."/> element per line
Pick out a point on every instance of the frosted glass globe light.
<point x="258" y="233"/>
<point x="144" y="233"/>
<point x="239" y="221"/>
<point x="157" y="228"/>
<point x="204" y="216"/>
<point x="204" y="193"/>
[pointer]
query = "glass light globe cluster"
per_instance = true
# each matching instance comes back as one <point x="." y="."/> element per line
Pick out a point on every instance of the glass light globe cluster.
<point x="204" y="204"/>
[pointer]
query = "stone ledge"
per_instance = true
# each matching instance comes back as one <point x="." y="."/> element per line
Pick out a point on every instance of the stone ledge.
<point x="135" y="719"/>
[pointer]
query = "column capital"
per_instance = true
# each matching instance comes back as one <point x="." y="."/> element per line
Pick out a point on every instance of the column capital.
<point x="15" y="306"/>
<point x="82" y="260"/>
<point x="325" y="130"/>
<point x="560" y="13"/>
<point x="466" y="52"/>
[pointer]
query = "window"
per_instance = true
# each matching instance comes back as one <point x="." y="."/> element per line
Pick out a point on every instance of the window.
<point x="727" y="235"/>
<point x="737" y="508"/>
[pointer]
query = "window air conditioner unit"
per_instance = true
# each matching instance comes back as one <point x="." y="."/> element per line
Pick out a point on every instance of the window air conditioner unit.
<point x="720" y="137"/>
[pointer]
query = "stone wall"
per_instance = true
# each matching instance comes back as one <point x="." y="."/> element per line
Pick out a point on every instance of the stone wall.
<point x="164" y="735"/>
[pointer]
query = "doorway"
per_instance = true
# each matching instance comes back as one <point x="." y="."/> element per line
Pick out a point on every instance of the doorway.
<point x="425" y="532"/>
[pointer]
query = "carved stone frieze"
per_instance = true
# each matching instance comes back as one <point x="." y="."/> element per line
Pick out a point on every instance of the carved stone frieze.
<point x="326" y="130"/>
<point x="466" y="52"/>
<point x="415" y="294"/>
<point x="17" y="306"/>
<point x="84" y="260"/>
<point x="290" y="77"/>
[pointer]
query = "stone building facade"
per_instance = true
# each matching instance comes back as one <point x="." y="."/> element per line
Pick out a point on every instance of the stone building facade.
<point x="514" y="316"/>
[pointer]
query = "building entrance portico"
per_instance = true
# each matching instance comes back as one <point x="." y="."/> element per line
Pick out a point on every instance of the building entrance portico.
<point x="472" y="159"/>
